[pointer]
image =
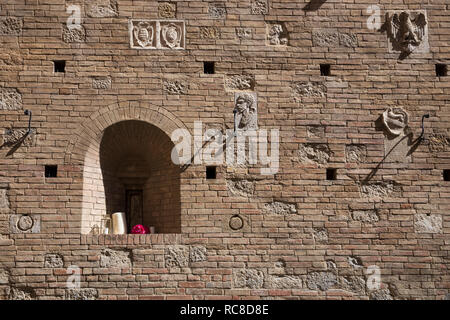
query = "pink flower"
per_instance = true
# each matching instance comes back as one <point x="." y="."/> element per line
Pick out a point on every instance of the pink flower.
<point x="140" y="229"/>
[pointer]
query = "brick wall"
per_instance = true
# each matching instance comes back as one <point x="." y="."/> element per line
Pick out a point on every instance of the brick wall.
<point x="243" y="235"/>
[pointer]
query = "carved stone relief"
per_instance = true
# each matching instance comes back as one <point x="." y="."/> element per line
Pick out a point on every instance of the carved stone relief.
<point x="260" y="6"/>
<point x="76" y="33"/>
<point x="240" y="82"/>
<point x="396" y="144"/>
<point x="395" y="121"/>
<point x="157" y="34"/>
<point x="217" y="10"/>
<point x="246" y="111"/>
<point x="209" y="33"/>
<point x="167" y="10"/>
<point x="10" y="26"/>
<point x="102" y="8"/>
<point x="10" y="99"/>
<point x="244" y="33"/>
<point x="25" y="223"/>
<point x="277" y="34"/>
<point x="407" y="31"/>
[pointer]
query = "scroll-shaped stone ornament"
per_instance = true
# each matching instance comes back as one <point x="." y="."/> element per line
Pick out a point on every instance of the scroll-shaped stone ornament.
<point x="395" y="120"/>
<point x="245" y="111"/>
<point x="144" y="34"/>
<point x="407" y="30"/>
<point x="171" y="35"/>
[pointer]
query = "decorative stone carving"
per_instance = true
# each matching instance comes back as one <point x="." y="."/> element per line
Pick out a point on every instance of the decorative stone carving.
<point x="10" y="99"/>
<point x="244" y="33"/>
<point x="157" y="34"/>
<point x="102" y="8"/>
<point x="175" y="87"/>
<point x="424" y="223"/>
<point x="395" y="121"/>
<point x="439" y="142"/>
<point x="321" y="280"/>
<point x="349" y="40"/>
<point x="197" y="254"/>
<point x="53" y="260"/>
<point x="81" y="294"/>
<point x="240" y="82"/>
<point x="101" y="83"/>
<point x="10" y="58"/>
<point x="14" y="135"/>
<point x="260" y="7"/>
<point x="248" y="278"/>
<point x="277" y="34"/>
<point x="11" y="26"/>
<point x="308" y="89"/>
<point x="217" y="10"/>
<point x="167" y="10"/>
<point x="246" y="111"/>
<point x="236" y="222"/>
<point x="176" y="257"/>
<point x="74" y="34"/>
<point x="280" y="208"/>
<point x="241" y="187"/>
<point x="172" y="35"/>
<point x="407" y="31"/>
<point x="376" y="190"/>
<point x="209" y="33"/>
<point x="317" y="153"/>
<point x="285" y="282"/>
<point x="355" y="153"/>
<point x="25" y="223"/>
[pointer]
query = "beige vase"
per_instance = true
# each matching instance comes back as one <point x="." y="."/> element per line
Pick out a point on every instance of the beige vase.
<point x="119" y="223"/>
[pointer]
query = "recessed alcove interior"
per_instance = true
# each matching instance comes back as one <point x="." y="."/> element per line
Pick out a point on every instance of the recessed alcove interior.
<point x="129" y="169"/>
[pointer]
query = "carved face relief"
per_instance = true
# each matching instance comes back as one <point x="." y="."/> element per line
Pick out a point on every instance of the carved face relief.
<point x="407" y="30"/>
<point x="245" y="109"/>
<point x="395" y="120"/>
<point x="277" y="35"/>
<point x="171" y="35"/>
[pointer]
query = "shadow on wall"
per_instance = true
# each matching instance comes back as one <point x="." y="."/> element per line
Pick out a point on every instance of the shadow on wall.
<point x="314" y="5"/>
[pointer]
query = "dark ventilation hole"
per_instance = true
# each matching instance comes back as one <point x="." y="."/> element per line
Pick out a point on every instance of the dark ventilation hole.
<point x="446" y="174"/>
<point x="441" y="70"/>
<point x="60" y="65"/>
<point x="325" y="69"/>
<point x="51" y="171"/>
<point x="331" y="174"/>
<point x="209" y="67"/>
<point x="211" y="173"/>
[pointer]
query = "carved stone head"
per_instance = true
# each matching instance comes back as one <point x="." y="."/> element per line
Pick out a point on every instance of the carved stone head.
<point x="407" y="30"/>
<point x="395" y="120"/>
<point x="245" y="109"/>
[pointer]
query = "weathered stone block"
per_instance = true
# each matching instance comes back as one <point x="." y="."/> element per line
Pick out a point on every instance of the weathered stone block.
<point x="260" y="6"/>
<point x="4" y="276"/>
<point x="240" y="82"/>
<point x="25" y="223"/>
<point x="22" y="293"/>
<point x="241" y="187"/>
<point x="308" y="89"/>
<point x="354" y="284"/>
<point x="284" y="282"/>
<point x="277" y="34"/>
<point x="10" y="99"/>
<point x="367" y="216"/>
<point x="102" y="8"/>
<point x="376" y="190"/>
<point x="244" y="33"/>
<point x="53" y="260"/>
<point x="197" y="254"/>
<point x="217" y="10"/>
<point x="14" y="136"/>
<point x="320" y="235"/>
<point x="81" y="294"/>
<point x="176" y="257"/>
<point x="101" y="83"/>
<point x="11" y="26"/>
<point x="349" y="40"/>
<point x="175" y="87"/>
<point x="73" y="34"/>
<point x="317" y="153"/>
<point x="209" y="32"/>
<point x="4" y="200"/>
<point x="424" y="223"/>
<point x="281" y="208"/>
<point x="167" y="10"/>
<point x="381" y="294"/>
<point x="325" y="38"/>
<point x="439" y="142"/>
<point x="321" y="280"/>
<point x="248" y="278"/>
<point x="315" y="131"/>
<point x="355" y="153"/>
<point x="110" y="258"/>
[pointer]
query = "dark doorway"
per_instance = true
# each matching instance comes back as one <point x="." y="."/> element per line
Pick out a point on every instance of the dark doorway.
<point x="134" y="208"/>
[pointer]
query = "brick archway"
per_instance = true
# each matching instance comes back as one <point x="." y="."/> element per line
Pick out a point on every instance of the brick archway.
<point x="83" y="152"/>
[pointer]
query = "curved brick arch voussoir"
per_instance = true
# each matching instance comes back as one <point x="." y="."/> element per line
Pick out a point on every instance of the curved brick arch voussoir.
<point x="90" y="131"/>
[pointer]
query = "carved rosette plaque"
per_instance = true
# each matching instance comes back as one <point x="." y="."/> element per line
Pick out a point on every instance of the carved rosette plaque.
<point x="157" y="34"/>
